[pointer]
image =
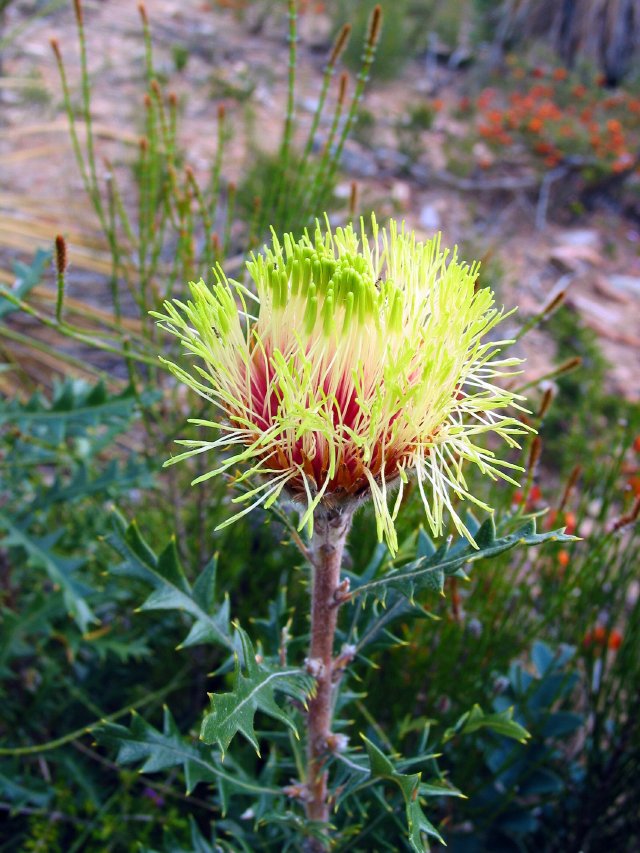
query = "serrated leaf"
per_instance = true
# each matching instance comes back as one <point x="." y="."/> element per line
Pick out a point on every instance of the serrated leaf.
<point x="234" y="712"/>
<point x="379" y="618"/>
<point x="59" y="569"/>
<point x="171" y="587"/>
<point x="158" y="750"/>
<point x="426" y="572"/>
<point x="418" y="825"/>
<point x="501" y="723"/>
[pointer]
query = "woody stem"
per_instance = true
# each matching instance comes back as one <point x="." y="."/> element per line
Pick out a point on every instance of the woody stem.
<point x="326" y="549"/>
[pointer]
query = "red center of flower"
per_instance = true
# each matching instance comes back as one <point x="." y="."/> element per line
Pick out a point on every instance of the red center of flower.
<point x="313" y="453"/>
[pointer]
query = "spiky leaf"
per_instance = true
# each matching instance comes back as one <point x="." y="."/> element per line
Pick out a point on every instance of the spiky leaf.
<point x="429" y="571"/>
<point x="253" y="691"/>
<point x="172" y="590"/>
<point x="501" y="723"/>
<point x="418" y="824"/>
<point x="158" y="750"/>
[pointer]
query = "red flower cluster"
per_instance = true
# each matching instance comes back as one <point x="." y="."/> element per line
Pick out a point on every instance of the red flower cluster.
<point x="599" y="638"/>
<point x="554" y="117"/>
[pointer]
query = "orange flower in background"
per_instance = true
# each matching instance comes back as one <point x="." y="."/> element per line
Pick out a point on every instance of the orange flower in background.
<point x="594" y="637"/>
<point x="560" y="74"/>
<point x="563" y="558"/>
<point x="615" y="640"/>
<point x="535" y="124"/>
<point x="624" y="162"/>
<point x="485" y="98"/>
<point x="598" y="637"/>
<point x="543" y="148"/>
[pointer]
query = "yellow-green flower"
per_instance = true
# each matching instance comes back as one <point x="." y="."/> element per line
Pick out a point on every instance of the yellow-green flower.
<point x="358" y="362"/>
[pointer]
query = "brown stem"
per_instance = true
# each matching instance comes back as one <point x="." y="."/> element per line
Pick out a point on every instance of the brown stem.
<point x="326" y="549"/>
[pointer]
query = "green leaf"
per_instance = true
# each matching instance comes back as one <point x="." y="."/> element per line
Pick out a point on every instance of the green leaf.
<point x="27" y="277"/>
<point x="501" y="723"/>
<point x="159" y="750"/>
<point x="120" y="477"/>
<point x="253" y="691"/>
<point x="418" y="825"/>
<point x="429" y="571"/>
<point x="60" y="569"/>
<point x="561" y="724"/>
<point x="75" y="406"/>
<point x="171" y="588"/>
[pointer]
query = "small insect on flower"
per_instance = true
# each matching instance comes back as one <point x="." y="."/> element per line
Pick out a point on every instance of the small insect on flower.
<point x="359" y="361"/>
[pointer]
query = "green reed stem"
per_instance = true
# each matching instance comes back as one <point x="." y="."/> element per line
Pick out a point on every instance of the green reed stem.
<point x="280" y="199"/>
<point x="316" y="195"/>
<point x="207" y="252"/>
<point x="148" y="47"/>
<point x="34" y="749"/>
<point x="73" y="132"/>
<point x="72" y="333"/>
<point x="231" y="206"/>
<point x="114" y="246"/>
<point x="371" y="45"/>
<point x="94" y="192"/>
<point x="39" y="346"/>
<point x="329" y="71"/>
<point x="214" y="183"/>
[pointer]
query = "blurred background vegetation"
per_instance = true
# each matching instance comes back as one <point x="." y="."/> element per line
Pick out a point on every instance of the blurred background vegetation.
<point x="181" y="134"/>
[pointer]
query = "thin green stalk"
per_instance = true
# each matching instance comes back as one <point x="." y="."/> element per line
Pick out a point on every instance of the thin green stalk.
<point x="34" y="343"/>
<point x="214" y="183"/>
<point x="114" y="245"/>
<point x="280" y="199"/>
<point x="371" y="45"/>
<point x="339" y="45"/>
<point x="148" y="48"/>
<point x="35" y="749"/>
<point x="204" y="215"/>
<point x="316" y="194"/>
<point x="70" y="332"/>
<point x="61" y="266"/>
<point x="546" y="311"/>
<point x="120" y="209"/>
<point x="567" y="366"/>
<point x="73" y="132"/>
<point x="231" y="205"/>
<point x="144" y="221"/>
<point x="86" y="111"/>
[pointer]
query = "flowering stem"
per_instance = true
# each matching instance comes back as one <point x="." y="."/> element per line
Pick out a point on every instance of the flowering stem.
<point x="326" y="549"/>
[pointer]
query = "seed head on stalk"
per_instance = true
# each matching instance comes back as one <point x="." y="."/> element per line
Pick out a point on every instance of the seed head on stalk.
<point x="360" y="360"/>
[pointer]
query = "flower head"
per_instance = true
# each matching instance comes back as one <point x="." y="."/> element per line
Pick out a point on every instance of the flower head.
<point x="358" y="362"/>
